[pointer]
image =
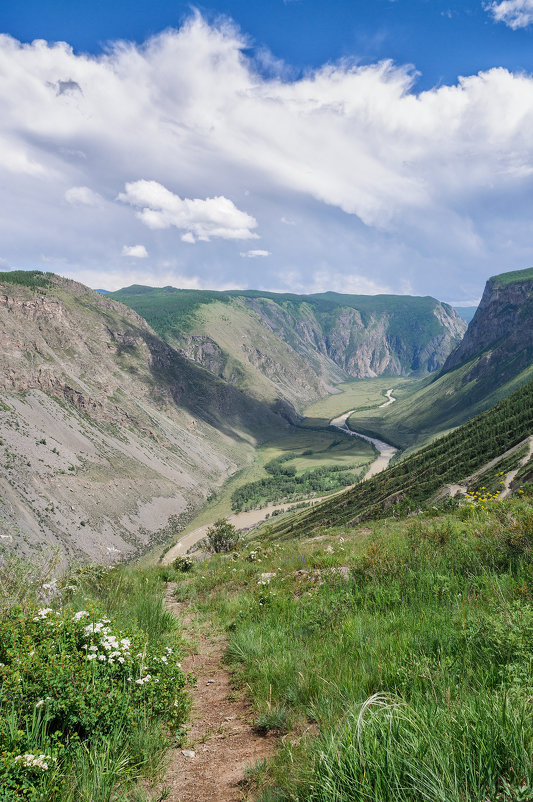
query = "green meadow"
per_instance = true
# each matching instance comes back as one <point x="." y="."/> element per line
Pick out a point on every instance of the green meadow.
<point x="394" y="661"/>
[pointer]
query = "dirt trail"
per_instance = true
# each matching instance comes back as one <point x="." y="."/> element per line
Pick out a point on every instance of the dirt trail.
<point x="220" y="735"/>
<point x="511" y="475"/>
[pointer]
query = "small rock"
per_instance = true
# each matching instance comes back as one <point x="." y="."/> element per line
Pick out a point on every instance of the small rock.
<point x="188" y="753"/>
<point x="209" y="681"/>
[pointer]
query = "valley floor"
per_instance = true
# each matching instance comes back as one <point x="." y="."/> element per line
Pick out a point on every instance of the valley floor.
<point x="313" y="446"/>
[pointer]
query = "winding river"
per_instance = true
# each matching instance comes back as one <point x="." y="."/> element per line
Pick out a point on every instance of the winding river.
<point x="245" y="520"/>
<point x="386" y="451"/>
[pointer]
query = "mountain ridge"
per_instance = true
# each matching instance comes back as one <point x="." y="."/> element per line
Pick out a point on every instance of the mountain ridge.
<point x="298" y="347"/>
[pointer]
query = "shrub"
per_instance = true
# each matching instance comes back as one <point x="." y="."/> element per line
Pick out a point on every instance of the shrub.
<point x="183" y="564"/>
<point x="71" y="685"/>
<point x="222" y="536"/>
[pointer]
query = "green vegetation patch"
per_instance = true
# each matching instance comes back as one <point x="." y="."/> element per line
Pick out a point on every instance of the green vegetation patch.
<point x="166" y="308"/>
<point x="284" y="484"/>
<point x="27" y="278"/>
<point x="91" y="688"/>
<point x="513" y="277"/>
<point x="399" y="657"/>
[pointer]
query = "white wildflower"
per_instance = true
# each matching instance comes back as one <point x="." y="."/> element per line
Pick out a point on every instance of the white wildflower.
<point x="91" y="656"/>
<point x="80" y="614"/>
<point x="30" y="761"/>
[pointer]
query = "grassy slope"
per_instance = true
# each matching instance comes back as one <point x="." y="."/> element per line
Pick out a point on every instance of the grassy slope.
<point x="398" y="656"/>
<point x="513" y="276"/>
<point x="415" y="479"/>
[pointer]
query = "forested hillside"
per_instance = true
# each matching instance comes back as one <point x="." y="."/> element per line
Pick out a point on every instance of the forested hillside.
<point x="412" y="481"/>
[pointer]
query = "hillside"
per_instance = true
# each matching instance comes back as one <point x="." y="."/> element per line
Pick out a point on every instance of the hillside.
<point x="297" y="347"/>
<point x="108" y="436"/>
<point x="391" y="660"/>
<point x="414" y="480"/>
<point x="493" y="359"/>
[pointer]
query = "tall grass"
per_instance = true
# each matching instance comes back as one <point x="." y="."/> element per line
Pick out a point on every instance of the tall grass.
<point x="99" y="729"/>
<point x="414" y="665"/>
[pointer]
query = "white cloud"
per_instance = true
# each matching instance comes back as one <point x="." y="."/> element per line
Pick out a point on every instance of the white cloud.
<point x="83" y="195"/>
<point x="203" y="219"/>
<point x="287" y="221"/>
<point x="137" y="251"/>
<point x="254" y="253"/>
<point x="514" y="13"/>
<point x="429" y="190"/>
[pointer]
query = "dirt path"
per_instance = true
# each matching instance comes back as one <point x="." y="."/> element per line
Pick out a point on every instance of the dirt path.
<point x="511" y="475"/>
<point x="221" y="736"/>
<point x="452" y="489"/>
<point x="390" y="397"/>
<point x="386" y="451"/>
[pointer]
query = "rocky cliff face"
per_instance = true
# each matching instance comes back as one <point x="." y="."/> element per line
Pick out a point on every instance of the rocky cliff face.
<point x="375" y="343"/>
<point x="108" y="437"/>
<point x="298" y="347"/>
<point x="499" y="339"/>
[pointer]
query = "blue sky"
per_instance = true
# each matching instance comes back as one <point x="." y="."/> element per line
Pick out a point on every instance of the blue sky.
<point x="441" y="39"/>
<point x="269" y="144"/>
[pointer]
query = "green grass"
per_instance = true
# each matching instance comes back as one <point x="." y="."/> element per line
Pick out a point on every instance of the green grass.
<point x="405" y="676"/>
<point x="360" y="395"/>
<point x="512" y="277"/>
<point x="88" y="680"/>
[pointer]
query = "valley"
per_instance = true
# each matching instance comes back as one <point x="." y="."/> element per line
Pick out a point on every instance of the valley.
<point x="372" y="472"/>
<point x="317" y="448"/>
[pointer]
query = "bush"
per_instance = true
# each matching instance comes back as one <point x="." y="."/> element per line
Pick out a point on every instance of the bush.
<point x="78" y="693"/>
<point x="222" y="537"/>
<point x="183" y="564"/>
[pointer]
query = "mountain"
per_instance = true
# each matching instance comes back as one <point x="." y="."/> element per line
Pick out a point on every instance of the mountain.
<point x="108" y="436"/>
<point x="494" y="358"/>
<point x="297" y="347"/>
<point x="475" y="454"/>
<point x="500" y="337"/>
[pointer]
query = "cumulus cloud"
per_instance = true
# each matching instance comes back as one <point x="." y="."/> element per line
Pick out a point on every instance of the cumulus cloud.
<point x="203" y="219"/>
<point x="137" y="251"/>
<point x="83" y="195"/>
<point x="253" y="254"/>
<point x="514" y="13"/>
<point x="421" y="190"/>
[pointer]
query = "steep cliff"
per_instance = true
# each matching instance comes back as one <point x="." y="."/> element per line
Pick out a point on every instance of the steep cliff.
<point x="297" y="347"/>
<point x="494" y="358"/>
<point x="108" y="436"/>
<point x="500" y="336"/>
